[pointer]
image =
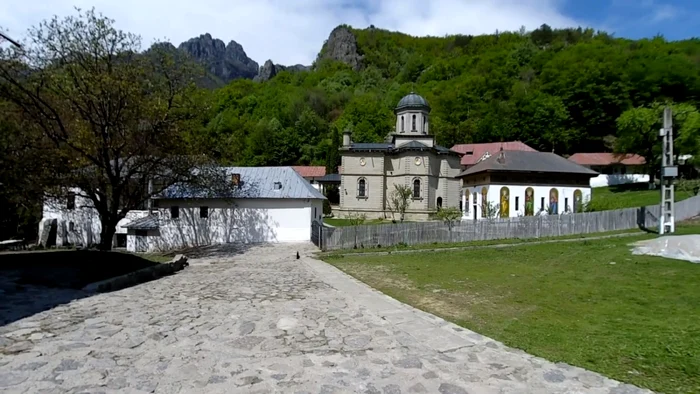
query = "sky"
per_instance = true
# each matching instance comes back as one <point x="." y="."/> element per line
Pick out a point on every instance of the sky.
<point x="293" y="31"/>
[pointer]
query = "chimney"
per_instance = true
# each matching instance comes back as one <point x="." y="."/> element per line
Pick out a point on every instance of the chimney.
<point x="346" y="138"/>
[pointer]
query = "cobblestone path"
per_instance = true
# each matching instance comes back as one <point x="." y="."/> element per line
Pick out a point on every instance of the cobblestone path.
<point x="263" y="322"/>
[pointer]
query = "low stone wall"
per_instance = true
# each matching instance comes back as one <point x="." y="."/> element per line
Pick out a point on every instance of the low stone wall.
<point x="143" y="275"/>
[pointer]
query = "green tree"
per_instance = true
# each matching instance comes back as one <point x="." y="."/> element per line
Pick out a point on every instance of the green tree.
<point x="112" y="115"/>
<point x="399" y="200"/>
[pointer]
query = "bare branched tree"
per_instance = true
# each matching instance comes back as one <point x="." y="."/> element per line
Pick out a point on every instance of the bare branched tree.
<point x="399" y="199"/>
<point x="114" y="117"/>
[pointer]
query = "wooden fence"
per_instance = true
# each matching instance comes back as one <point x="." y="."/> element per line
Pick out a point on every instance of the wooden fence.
<point x="371" y="236"/>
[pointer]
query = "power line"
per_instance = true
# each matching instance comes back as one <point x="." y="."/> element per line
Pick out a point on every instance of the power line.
<point x="13" y="42"/>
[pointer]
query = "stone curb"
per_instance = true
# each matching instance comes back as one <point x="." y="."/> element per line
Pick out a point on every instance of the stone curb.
<point x="178" y="263"/>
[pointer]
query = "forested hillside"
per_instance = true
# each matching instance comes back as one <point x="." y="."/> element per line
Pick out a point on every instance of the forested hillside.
<point x="560" y="90"/>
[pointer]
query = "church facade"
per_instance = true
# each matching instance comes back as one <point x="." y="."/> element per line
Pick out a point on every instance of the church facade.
<point x="408" y="156"/>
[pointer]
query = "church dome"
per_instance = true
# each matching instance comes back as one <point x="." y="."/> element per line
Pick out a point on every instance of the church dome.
<point x="413" y="100"/>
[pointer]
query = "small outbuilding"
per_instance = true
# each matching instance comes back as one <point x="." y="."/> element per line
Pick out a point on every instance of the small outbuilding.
<point x="269" y="204"/>
<point x="523" y="183"/>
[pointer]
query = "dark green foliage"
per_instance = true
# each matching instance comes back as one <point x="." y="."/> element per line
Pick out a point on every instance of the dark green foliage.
<point x="560" y="90"/>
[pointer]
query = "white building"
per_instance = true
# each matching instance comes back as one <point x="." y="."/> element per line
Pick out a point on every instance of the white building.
<point x="269" y="204"/>
<point x="613" y="169"/>
<point x="521" y="183"/>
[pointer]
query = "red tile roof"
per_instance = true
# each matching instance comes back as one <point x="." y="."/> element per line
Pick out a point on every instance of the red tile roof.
<point x="310" y="171"/>
<point x="474" y="152"/>
<point x="606" y="159"/>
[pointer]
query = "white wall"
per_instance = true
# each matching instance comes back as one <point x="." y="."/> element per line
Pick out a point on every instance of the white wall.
<point x="252" y="220"/>
<point x="518" y="191"/>
<point x="86" y="226"/>
<point x="603" y="180"/>
<point x="248" y="221"/>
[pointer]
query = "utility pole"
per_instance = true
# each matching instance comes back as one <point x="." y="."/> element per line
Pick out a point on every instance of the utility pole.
<point x="668" y="173"/>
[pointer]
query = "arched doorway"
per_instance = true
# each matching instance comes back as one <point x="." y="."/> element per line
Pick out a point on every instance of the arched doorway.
<point x="439" y="202"/>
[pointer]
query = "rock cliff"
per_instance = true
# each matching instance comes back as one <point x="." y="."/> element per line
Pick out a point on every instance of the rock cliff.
<point x="342" y="46"/>
<point x="225" y="62"/>
<point x="269" y="70"/>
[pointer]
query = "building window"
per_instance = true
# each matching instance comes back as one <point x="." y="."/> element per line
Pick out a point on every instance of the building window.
<point x="425" y="124"/>
<point x="402" y="124"/>
<point x="413" y="127"/>
<point x="315" y="212"/>
<point x="416" y="188"/>
<point x="566" y="204"/>
<point x="203" y="212"/>
<point x="542" y="204"/>
<point x="517" y="203"/>
<point x="71" y="226"/>
<point x="70" y="201"/>
<point x="362" y="187"/>
<point x="439" y="202"/>
<point x="278" y="186"/>
<point x="174" y="212"/>
<point x="236" y="179"/>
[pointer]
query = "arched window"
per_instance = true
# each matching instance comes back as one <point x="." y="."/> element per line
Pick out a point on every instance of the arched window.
<point x="425" y="124"/>
<point x="362" y="187"/>
<point x="416" y="188"/>
<point x="439" y="202"/>
<point x="402" y="124"/>
<point x="414" y="123"/>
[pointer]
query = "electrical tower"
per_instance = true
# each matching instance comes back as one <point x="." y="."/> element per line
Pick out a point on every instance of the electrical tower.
<point x="668" y="173"/>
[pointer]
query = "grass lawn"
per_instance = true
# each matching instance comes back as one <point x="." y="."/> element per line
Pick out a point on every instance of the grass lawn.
<point x="589" y="303"/>
<point x="628" y="196"/>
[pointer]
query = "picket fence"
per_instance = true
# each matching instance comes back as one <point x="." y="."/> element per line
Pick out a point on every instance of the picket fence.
<point x="372" y="236"/>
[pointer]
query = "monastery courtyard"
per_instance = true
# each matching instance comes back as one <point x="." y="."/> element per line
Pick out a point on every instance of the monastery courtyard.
<point x="261" y="321"/>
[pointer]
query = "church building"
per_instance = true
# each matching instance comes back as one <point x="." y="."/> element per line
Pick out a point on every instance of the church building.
<point x="524" y="183"/>
<point x="408" y="156"/>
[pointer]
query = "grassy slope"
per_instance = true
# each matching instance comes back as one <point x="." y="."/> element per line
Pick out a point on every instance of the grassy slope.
<point x="608" y="198"/>
<point x="634" y="320"/>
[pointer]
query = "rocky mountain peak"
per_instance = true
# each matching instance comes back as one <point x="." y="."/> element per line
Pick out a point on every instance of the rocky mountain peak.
<point x="342" y="46"/>
<point x="270" y="69"/>
<point x="226" y="62"/>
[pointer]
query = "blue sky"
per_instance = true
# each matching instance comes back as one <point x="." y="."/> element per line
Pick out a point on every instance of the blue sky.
<point x="293" y="31"/>
<point x="674" y="19"/>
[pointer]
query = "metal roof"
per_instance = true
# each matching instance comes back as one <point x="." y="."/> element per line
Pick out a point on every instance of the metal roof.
<point x="523" y="161"/>
<point x="412" y="100"/>
<point x="473" y="153"/>
<point x="257" y="182"/>
<point x="606" y="159"/>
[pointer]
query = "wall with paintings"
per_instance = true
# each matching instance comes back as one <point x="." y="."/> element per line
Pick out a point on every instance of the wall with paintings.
<point x="502" y="201"/>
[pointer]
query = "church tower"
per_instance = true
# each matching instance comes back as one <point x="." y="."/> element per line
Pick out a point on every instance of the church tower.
<point x="412" y="121"/>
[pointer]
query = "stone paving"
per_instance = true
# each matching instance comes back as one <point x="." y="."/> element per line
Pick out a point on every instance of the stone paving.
<point x="264" y="322"/>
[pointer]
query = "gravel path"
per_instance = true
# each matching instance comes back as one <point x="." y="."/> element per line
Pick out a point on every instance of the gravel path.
<point x="262" y="321"/>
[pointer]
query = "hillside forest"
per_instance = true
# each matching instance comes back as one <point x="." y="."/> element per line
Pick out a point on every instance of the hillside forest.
<point x="562" y="90"/>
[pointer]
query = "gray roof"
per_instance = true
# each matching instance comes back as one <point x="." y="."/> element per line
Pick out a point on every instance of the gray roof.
<point x="257" y="182"/>
<point x="521" y="161"/>
<point x="329" y="178"/>
<point x="390" y="148"/>
<point x="149" y="222"/>
<point x="412" y="100"/>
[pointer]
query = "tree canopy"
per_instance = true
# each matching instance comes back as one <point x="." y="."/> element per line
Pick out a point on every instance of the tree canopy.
<point x="553" y="89"/>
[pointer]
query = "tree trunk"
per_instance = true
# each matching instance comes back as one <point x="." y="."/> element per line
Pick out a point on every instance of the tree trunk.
<point x="109" y="228"/>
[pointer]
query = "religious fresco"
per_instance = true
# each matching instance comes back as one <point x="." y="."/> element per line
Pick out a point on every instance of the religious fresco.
<point x="529" y="202"/>
<point x="484" y="201"/>
<point x="505" y="202"/>
<point x="466" y="201"/>
<point x="578" y="201"/>
<point x="554" y="202"/>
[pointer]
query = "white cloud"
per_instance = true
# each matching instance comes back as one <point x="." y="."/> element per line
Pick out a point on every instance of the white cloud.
<point x="291" y="31"/>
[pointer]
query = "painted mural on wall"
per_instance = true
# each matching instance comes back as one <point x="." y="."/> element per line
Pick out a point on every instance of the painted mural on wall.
<point x="553" y="202"/>
<point x="529" y="201"/>
<point x="484" y="201"/>
<point x="505" y="200"/>
<point x="578" y="201"/>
